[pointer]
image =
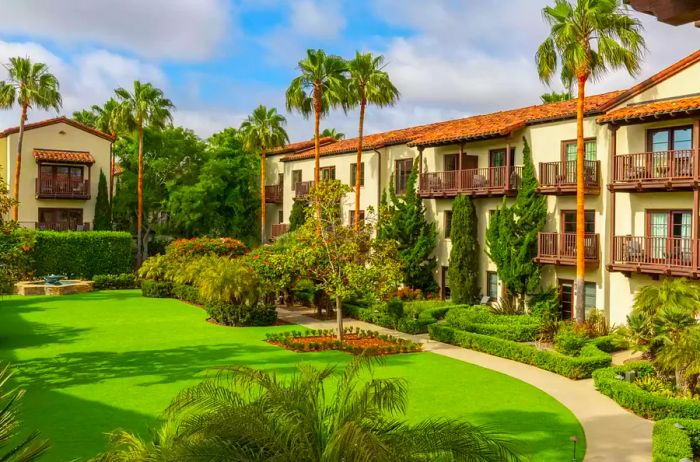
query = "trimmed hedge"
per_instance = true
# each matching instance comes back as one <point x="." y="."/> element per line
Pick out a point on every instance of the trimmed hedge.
<point x="241" y="315"/>
<point x="518" y="328"/>
<point x="671" y="444"/>
<point x="114" y="281"/>
<point x="156" y="289"/>
<point x="409" y="323"/>
<point x="82" y="254"/>
<point x="578" y="367"/>
<point x="643" y="403"/>
<point x="186" y="293"/>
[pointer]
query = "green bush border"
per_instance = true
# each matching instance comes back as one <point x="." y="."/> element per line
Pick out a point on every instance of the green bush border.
<point x="573" y="367"/>
<point x="642" y="403"/>
<point x="114" y="281"/>
<point x="671" y="444"/>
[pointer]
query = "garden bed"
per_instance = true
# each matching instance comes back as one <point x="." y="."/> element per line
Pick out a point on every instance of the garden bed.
<point x="355" y="341"/>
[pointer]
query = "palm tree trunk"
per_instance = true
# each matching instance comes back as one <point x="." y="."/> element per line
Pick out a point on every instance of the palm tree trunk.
<point x="18" y="164"/>
<point x="317" y="153"/>
<point x="358" y="166"/>
<point x="339" y="316"/>
<point x="580" y="309"/>
<point x="681" y="382"/>
<point x="262" y="196"/>
<point x="139" y="211"/>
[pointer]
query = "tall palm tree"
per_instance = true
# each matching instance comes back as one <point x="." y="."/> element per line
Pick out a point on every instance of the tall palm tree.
<point x="30" y="85"/>
<point x="263" y="130"/>
<point x="320" y="86"/>
<point x="254" y="415"/>
<point x="368" y="83"/>
<point x="587" y="39"/>
<point x="145" y="106"/>
<point x="555" y="97"/>
<point x="332" y="133"/>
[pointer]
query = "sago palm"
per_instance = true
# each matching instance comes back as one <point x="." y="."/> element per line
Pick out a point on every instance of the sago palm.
<point x="682" y="355"/>
<point x="30" y="85"/>
<point x="252" y="415"/>
<point x="145" y="106"/>
<point x="587" y="39"/>
<point x="24" y="449"/>
<point x="368" y="83"/>
<point x="320" y="87"/>
<point x="263" y="130"/>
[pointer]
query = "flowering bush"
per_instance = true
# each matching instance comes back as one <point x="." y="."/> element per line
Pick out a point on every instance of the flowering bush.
<point x="201" y="246"/>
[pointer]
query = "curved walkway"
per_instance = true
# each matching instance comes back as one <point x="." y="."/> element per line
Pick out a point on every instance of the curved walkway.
<point x="612" y="433"/>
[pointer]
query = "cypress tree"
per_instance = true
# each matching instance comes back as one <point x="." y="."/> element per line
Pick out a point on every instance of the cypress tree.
<point x="464" y="265"/>
<point x="297" y="216"/>
<point x="103" y="208"/>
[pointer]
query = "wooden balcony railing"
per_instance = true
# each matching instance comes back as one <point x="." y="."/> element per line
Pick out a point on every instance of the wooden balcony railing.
<point x="273" y="194"/>
<point x="62" y="226"/>
<point x="488" y="181"/>
<point x="560" y="248"/>
<point x="278" y="230"/>
<point x="302" y="188"/>
<point x="560" y="177"/>
<point x="655" y="170"/>
<point x="68" y="188"/>
<point x="655" y="255"/>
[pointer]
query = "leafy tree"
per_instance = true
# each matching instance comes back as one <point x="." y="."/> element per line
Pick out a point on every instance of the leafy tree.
<point x="587" y="39"/>
<point x="368" y="83"/>
<point x="255" y="415"/>
<point x="320" y="87"/>
<point x="402" y="220"/>
<point x="103" y="209"/>
<point x="555" y="97"/>
<point x="511" y="237"/>
<point x="263" y="130"/>
<point x="145" y="106"/>
<point x="297" y="216"/>
<point x="85" y="117"/>
<point x="332" y="133"/>
<point x="30" y="85"/>
<point x="464" y="255"/>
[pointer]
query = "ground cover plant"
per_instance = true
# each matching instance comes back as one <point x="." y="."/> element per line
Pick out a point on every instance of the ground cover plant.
<point x="356" y="341"/>
<point x="113" y="359"/>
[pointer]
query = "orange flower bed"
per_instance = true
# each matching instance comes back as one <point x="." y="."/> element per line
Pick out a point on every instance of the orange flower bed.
<point x="354" y="341"/>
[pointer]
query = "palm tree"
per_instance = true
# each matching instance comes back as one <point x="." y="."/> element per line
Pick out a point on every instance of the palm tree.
<point x="682" y="355"/>
<point x="368" y="83"/>
<point x="145" y="106"/>
<point x="332" y="133"/>
<point x="588" y="38"/>
<point x="24" y="450"/>
<point x="320" y="87"/>
<point x="555" y="97"/>
<point x="30" y="85"/>
<point x="263" y="130"/>
<point x="254" y="415"/>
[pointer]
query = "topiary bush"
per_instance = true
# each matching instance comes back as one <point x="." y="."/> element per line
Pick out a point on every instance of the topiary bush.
<point x="671" y="444"/>
<point x="229" y="314"/>
<point x="114" y="281"/>
<point x="156" y="289"/>
<point x="478" y="319"/>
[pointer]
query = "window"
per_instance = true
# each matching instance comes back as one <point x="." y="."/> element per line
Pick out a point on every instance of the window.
<point x="566" y="299"/>
<point x="402" y="172"/>
<point x="353" y="172"/>
<point x="568" y="221"/>
<point x="327" y="173"/>
<point x="670" y="139"/>
<point x="589" y="290"/>
<point x="492" y="285"/>
<point x="351" y="217"/>
<point x="444" y="283"/>
<point x="280" y="216"/>
<point x="451" y="162"/>
<point x="589" y="147"/>
<point x="448" y="223"/>
<point x="296" y="178"/>
<point x="280" y="178"/>
<point x="669" y="233"/>
<point x="58" y="219"/>
<point x="61" y="180"/>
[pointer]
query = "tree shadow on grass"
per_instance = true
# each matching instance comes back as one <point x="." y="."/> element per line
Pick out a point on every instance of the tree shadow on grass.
<point x="17" y="332"/>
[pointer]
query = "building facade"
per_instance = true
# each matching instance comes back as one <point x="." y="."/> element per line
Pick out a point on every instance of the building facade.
<point x="61" y="164"/>
<point x="642" y="176"/>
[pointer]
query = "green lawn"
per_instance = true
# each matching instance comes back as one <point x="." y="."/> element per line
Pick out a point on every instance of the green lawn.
<point x="94" y="362"/>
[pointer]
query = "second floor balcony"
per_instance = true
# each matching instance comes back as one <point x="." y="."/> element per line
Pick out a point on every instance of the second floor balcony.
<point x="560" y="248"/>
<point x="278" y="230"/>
<point x="302" y="188"/>
<point x="53" y="187"/>
<point x="660" y="170"/>
<point x="273" y="194"/>
<point x="487" y="181"/>
<point x="560" y="177"/>
<point x="673" y="256"/>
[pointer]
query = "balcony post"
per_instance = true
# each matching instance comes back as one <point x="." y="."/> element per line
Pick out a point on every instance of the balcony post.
<point x="507" y="165"/>
<point x="613" y="153"/>
<point x="420" y="168"/>
<point x="694" y="229"/>
<point x="459" y="162"/>
<point x="696" y="151"/>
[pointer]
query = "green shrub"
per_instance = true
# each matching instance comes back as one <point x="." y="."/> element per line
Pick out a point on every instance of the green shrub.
<point x="202" y="246"/>
<point x="304" y="291"/>
<point x="671" y="444"/>
<point x="569" y="340"/>
<point x="82" y="254"/>
<point x="643" y="403"/>
<point x="579" y="367"/>
<point x="114" y="281"/>
<point x="186" y="293"/>
<point x="156" y="289"/>
<point x="394" y="308"/>
<point x="241" y="315"/>
<point x="479" y="320"/>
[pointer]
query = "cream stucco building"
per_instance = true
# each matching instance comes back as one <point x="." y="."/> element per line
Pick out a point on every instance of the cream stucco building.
<point x="61" y="164"/>
<point x="642" y="174"/>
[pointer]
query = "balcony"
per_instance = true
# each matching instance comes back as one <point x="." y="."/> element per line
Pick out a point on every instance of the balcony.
<point x="62" y="226"/>
<point x="559" y="178"/>
<point x="302" y="188"/>
<point x="273" y="194"/>
<point x="51" y="187"/>
<point x="278" y="230"/>
<point x="560" y="249"/>
<point x="489" y="181"/>
<point x="671" y="256"/>
<point x="662" y="170"/>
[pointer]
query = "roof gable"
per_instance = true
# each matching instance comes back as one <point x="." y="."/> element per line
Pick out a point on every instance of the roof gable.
<point x="57" y="120"/>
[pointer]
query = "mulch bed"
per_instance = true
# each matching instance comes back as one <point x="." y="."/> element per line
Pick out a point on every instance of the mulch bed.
<point x="354" y="341"/>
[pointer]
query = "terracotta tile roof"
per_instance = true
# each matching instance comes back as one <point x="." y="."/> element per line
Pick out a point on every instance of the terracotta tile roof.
<point x="57" y="120"/>
<point x="300" y="146"/>
<point x="71" y="157"/>
<point x="652" y="108"/>
<point x="505" y="122"/>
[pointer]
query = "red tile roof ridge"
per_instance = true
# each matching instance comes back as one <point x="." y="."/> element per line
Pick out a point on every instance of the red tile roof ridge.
<point x="658" y="107"/>
<point x="56" y="120"/>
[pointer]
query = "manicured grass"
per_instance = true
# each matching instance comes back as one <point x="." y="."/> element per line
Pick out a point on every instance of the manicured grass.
<point x="95" y="362"/>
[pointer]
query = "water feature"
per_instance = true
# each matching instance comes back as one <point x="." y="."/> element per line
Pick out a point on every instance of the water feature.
<point x="53" y="284"/>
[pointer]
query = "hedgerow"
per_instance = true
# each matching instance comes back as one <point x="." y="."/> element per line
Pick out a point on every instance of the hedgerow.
<point x="675" y="439"/>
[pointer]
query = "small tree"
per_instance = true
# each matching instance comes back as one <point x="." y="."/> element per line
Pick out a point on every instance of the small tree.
<point x="402" y="219"/>
<point x="464" y="255"/>
<point x="297" y="216"/>
<point x="103" y="209"/>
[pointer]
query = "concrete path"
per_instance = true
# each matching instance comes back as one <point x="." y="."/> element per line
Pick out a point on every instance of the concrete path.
<point x="612" y="433"/>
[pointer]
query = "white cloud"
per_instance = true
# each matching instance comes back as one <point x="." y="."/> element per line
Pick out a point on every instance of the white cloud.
<point x="310" y="18"/>
<point x="186" y="30"/>
<point x="207" y="121"/>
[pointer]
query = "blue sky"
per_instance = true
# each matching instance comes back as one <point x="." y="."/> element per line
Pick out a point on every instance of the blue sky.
<point x="218" y="59"/>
